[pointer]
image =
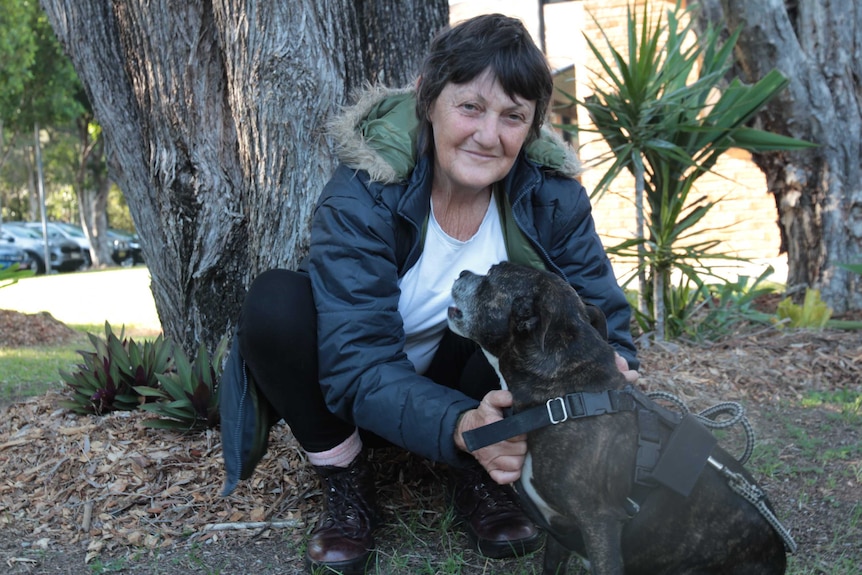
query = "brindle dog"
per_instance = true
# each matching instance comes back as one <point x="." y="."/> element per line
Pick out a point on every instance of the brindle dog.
<point x="579" y="474"/>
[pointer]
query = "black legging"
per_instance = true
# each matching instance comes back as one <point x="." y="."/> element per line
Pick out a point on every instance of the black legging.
<point x="278" y="341"/>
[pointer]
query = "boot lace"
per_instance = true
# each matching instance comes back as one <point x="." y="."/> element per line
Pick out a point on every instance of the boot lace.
<point x="347" y="510"/>
<point x="488" y="495"/>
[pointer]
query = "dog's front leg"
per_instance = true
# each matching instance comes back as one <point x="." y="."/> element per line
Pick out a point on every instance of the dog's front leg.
<point x="603" y="540"/>
<point x="556" y="557"/>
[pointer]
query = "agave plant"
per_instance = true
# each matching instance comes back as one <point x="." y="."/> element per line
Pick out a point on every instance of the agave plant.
<point x="187" y="397"/>
<point x="109" y="377"/>
<point x="813" y="313"/>
<point x="658" y="112"/>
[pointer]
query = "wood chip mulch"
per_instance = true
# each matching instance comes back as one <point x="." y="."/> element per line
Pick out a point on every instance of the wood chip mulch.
<point x="108" y="481"/>
<point x="757" y="367"/>
<point x="27" y="329"/>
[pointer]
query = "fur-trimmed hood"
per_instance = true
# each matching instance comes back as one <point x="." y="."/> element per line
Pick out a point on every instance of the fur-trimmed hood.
<point x="378" y="134"/>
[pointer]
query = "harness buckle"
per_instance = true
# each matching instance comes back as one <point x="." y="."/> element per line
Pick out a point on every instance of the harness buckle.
<point x="550" y="405"/>
<point x="597" y="403"/>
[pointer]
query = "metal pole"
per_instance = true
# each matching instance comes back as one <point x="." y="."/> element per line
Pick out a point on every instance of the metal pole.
<point x="542" y="42"/>
<point x="40" y="185"/>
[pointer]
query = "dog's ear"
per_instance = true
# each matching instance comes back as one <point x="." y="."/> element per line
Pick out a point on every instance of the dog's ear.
<point x="597" y="319"/>
<point x="524" y="316"/>
<point x="527" y="319"/>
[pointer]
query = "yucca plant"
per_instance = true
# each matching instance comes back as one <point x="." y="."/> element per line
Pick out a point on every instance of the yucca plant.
<point x="187" y="397"/>
<point x="656" y="112"/>
<point x="721" y="306"/>
<point x="108" y="378"/>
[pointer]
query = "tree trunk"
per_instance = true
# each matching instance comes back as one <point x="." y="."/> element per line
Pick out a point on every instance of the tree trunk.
<point x="818" y="192"/>
<point x="33" y="193"/>
<point x="212" y="114"/>
<point x="91" y="190"/>
<point x="93" y="207"/>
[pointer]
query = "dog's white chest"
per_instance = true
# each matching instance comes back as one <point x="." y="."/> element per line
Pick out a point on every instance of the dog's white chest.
<point x="529" y="491"/>
<point x="494" y="361"/>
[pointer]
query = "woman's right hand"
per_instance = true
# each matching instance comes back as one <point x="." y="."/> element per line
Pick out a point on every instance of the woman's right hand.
<point x="503" y="460"/>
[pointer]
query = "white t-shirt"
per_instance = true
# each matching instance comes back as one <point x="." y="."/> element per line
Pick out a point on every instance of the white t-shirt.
<point x="426" y="288"/>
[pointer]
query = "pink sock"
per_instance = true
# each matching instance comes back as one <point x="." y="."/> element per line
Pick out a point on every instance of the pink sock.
<point x="342" y="455"/>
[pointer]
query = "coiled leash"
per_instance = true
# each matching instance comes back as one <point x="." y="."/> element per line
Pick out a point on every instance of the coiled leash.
<point x="736" y="481"/>
<point x="673" y="449"/>
<point x="708" y="418"/>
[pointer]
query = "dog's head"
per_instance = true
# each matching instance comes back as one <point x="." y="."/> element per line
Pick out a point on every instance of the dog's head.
<point x="531" y="321"/>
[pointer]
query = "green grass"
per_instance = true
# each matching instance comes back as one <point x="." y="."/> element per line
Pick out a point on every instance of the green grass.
<point x="844" y="400"/>
<point x="30" y="371"/>
<point x="812" y="452"/>
<point x="844" y="560"/>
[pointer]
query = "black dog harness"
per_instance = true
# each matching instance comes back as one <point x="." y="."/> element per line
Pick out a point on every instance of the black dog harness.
<point x="673" y="449"/>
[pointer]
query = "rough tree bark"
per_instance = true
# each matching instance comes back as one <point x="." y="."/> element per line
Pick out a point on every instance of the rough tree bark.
<point x="212" y="114"/>
<point x="817" y="44"/>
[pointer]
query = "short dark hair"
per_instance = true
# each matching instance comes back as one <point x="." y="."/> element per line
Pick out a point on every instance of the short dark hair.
<point x="461" y="53"/>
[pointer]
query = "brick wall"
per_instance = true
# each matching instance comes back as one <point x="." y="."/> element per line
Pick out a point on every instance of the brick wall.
<point x="744" y="219"/>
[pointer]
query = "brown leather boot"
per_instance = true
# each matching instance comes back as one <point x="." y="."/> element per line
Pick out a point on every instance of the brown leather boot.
<point x="495" y="523"/>
<point x="342" y="541"/>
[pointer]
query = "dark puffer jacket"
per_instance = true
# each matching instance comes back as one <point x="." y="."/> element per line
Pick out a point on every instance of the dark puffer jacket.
<point x="367" y="232"/>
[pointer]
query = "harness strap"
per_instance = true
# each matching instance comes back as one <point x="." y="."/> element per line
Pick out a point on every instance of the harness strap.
<point x="672" y="450"/>
<point x="554" y="411"/>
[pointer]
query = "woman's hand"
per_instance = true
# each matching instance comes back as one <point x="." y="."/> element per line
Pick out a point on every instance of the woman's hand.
<point x="503" y="460"/>
<point x="630" y="374"/>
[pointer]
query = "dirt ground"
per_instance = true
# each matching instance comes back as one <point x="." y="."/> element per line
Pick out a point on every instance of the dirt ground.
<point x="106" y="494"/>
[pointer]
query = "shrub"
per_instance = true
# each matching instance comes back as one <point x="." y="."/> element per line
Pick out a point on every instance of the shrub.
<point x="155" y="376"/>
<point x="109" y="376"/>
<point x="813" y="313"/>
<point x="187" y="398"/>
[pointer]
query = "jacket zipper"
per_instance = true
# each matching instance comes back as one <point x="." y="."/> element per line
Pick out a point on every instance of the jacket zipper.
<point x="240" y="421"/>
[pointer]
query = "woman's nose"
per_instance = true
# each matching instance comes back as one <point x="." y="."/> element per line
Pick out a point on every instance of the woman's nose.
<point x="487" y="133"/>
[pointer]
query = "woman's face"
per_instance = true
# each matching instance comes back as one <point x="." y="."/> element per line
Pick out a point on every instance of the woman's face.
<point x="478" y="132"/>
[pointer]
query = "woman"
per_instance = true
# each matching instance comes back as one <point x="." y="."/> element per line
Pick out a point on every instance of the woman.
<point x="453" y="175"/>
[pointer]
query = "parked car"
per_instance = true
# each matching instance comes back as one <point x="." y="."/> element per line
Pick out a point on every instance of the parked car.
<point x="135" y="255"/>
<point x="62" y="230"/>
<point x="11" y="255"/>
<point x="65" y="255"/>
<point x="119" y="246"/>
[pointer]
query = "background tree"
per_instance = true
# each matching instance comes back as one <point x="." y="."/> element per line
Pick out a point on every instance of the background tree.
<point x="17" y="51"/>
<point x="818" y="192"/>
<point x="213" y="116"/>
<point x="37" y="84"/>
